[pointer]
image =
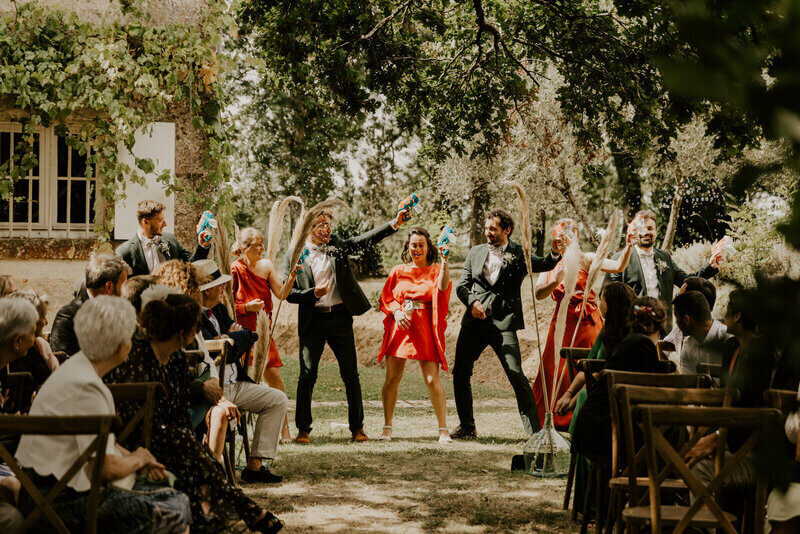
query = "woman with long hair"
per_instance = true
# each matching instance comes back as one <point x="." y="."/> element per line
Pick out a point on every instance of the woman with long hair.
<point x="587" y="319"/>
<point x="255" y="280"/>
<point x="415" y="299"/>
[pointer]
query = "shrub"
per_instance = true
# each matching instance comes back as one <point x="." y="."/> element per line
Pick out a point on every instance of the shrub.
<point x="367" y="261"/>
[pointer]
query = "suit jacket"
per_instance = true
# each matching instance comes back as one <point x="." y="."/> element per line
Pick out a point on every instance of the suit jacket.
<point x="131" y="251"/>
<point x="502" y="300"/>
<point x="668" y="277"/>
<point x="353" y="298"/>
<point x="62" y="333"/>
<point x="243" y="339"/>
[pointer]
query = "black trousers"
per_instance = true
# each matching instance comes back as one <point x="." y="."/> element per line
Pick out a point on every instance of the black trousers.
<point x="336" y="329"/>
<point x="471" y="343"/>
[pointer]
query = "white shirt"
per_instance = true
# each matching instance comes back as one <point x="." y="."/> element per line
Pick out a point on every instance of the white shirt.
<point x="73" y="389"/>
<point x="152" y="254"/>
<point x="207" y="361"/>
<point x="709" y="351"/>
<point x="648" y="261"/>
<point x="231" y="373"/>
<point x="494" y="262"/>
<point x="322" y="271"/>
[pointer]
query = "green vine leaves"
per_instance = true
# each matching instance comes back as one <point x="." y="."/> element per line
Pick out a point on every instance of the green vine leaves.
<point x="98" y="83"/>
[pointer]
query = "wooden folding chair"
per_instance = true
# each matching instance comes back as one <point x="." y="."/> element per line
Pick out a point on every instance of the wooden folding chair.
<point x="146" y="393"/>
<point x="100" y="425"/>
<point x="704" y="512"/>
<point x="714" y="370"/>
<point x="625" y="392"/>
<point x="572" y="355"/>
<point x="219" y="349"/>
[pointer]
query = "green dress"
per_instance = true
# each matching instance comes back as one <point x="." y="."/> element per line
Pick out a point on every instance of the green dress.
<point x="581" y="464"/>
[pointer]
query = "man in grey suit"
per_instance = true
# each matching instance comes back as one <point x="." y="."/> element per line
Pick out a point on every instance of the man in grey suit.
<point x="152" y="246"/>
<point x="490" y="289"/>
<point x="328" y="297"/>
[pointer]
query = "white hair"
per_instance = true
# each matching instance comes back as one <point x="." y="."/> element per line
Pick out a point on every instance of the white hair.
<point x="102" y="324"/>
<point x="17" y="317"/>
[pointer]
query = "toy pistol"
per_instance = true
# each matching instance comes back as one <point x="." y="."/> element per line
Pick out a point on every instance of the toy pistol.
<point x="405" y="207"/>
<point x="302" y="259"/>
<point x="445" y="238"/>
<point x="207" y="222"/>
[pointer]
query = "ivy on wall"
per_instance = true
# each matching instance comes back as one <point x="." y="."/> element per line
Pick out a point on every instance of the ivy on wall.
<point x="109" y="79"/>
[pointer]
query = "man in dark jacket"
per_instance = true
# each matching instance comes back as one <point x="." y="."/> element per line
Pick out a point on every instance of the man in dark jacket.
<point x="105" y="275"/>
<point x="328" y="297"/>
<point x="490" y="289"/>
<point x="152" y="245"/>
<point x="269" y="404"/>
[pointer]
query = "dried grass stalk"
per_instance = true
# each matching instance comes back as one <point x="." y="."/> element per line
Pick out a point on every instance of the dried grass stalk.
<point x="261" y="348"/>
<point x="224" y="260"/>
<point x="572" y="265"/>
<point x="523" y="209"/>
<point x="304" y="226"/>
<point x="275" y="229"/>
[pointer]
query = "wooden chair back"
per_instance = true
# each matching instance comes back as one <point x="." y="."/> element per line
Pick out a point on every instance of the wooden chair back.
<point x="99" y="425"/>
<point x="572" y="355"/>
<point x="786" y="401"/>
<point x="146" y="393"/>
<point x="714" y="370"/>
<point x="758" y="421"/>
<point x="218" y="350"/>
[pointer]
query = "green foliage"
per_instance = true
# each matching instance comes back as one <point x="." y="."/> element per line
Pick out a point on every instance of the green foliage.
<point x="101" y="82"/>
<point x="369" y="260"/>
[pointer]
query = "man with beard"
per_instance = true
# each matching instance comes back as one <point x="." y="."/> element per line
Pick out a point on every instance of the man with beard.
<point x="651" y="271"/>
<point x="490" y="289"/>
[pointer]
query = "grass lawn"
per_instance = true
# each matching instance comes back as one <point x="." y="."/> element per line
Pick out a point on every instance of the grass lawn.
<point x="412" y="484"/>
<point x="329" y="386"/>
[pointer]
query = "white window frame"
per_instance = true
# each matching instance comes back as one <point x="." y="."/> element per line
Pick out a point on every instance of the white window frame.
<point x="48" y="225"/>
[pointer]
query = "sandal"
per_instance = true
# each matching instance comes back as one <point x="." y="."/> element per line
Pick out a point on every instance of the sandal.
<point x="384" y="437"/>
<point x="444" y="438"/>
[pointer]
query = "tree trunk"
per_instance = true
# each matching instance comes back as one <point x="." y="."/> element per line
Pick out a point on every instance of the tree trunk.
<point x="629" y="180"/>
<point x="672" y="225"/>
<point x="479" y="200"/>
<point x="541" y="233"/>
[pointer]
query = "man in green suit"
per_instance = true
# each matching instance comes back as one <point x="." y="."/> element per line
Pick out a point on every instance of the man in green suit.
<point x="152" y="246"/>
<point x="328" y="297"/>
<point x="490" y="289"/>
<point x="651" y="271"/>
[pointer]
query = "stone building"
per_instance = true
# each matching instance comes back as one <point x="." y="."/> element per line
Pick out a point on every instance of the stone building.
<point x="47" y="235"/>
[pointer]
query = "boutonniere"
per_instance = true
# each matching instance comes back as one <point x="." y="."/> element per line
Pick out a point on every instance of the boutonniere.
<point x="163" y="247"/>
<point x="508" y="257"/>
<point x="661" y="265"/>
<point x="329" y="250"/>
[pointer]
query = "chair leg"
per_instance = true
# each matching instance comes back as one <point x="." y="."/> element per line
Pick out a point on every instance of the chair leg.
<point x="590" y="482"/>
<point x="245" y="438"/>
<point x="570" y="477"/>
<point x="613" y="510"/>
<point x="599" y="478"/>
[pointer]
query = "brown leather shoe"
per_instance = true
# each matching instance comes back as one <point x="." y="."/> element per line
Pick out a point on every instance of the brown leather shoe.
<point x="302" y="438"/>
<point x="359" y="436"/>
<point x="463" y="433"/>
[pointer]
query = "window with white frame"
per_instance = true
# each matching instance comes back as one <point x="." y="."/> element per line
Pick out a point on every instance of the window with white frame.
<point x="55" y="199"/>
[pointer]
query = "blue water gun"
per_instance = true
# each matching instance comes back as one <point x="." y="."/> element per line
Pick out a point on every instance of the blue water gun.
<point x="445" y="238"/>
<point x="405" y="207"/>
<point x="302" y="259"/>
<point x="207" y="222"/>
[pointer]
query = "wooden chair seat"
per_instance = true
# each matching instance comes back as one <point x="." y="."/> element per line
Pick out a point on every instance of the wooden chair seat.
<point x="671" y="515"/>
<point x="670" y="485"/>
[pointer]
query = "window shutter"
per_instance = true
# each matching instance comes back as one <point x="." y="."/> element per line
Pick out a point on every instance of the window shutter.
<point x="159" y="146"/>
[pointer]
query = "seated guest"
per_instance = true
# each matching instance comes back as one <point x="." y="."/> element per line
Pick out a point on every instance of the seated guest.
<point x="705" y="336"/>
<point x="40" y="361"/>
<point x="105" y="275"/>
<point x="783" y="508"/>
<point x="18" y="319"/>
<point x="672" y="344"/>
<point x="269" y="403"/>
<point x="638" y="353"/>
<point x="169" y="322"/>
<point x="133" y="288"/>
<point x="152" y="246"/>
<point x="748" y="361"/>
<point x="104" y="327"/>
<point x="7" y="285"/>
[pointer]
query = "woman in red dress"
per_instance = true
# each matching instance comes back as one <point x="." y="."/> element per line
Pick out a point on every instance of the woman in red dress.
<point x="416" y="299"/>
<point x="591" y="322"/>
<point x="255" y="279"/>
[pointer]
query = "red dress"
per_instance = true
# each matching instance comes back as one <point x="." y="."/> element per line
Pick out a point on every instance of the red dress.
<point x="590" y="326"/>
<point x="247" y="286"/>
<point x="424" y="339"/>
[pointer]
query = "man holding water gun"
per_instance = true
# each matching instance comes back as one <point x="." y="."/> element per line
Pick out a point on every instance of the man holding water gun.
<point x="152" y="246"/>
<point x="651" y="271"/>
<point x="328" y="297"/>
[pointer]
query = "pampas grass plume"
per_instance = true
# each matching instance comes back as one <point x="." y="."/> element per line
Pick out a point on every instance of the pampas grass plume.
<point x="261" y="348"/>
<point x="304" y="226"/>
<point x="275" y="229"/>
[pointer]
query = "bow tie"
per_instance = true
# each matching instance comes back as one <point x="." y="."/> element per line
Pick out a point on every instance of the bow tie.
<point x="495" y="250"/>
<point x="154" y="242"/>
<point x="644" y="254"/>
<point x="209" y="312"/>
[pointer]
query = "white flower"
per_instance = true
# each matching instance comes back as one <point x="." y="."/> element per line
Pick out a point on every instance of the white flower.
<point x="157" y="292"/>
<point x="508" y="257"/>
<point x="164" y="248"/>
<point x="661" y="265"/>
